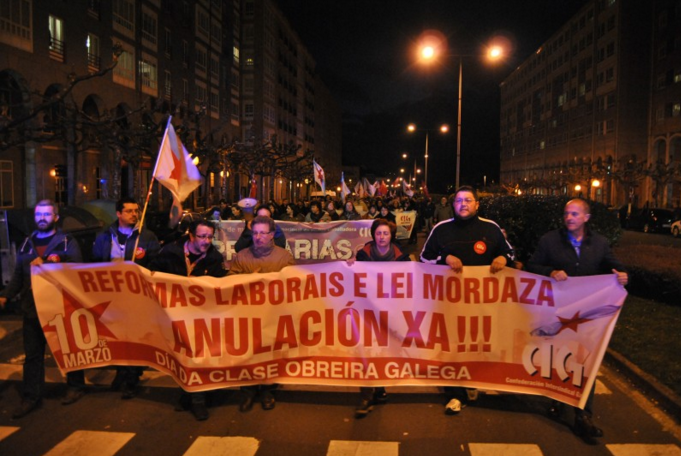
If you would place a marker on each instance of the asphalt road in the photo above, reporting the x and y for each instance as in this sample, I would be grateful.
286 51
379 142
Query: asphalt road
318 421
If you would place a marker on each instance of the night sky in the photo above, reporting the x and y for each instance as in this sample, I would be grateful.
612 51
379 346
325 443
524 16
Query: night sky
364 54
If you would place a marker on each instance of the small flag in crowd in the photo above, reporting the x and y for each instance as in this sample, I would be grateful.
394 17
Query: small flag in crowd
319 176
254 187
345 191
406 189
368 188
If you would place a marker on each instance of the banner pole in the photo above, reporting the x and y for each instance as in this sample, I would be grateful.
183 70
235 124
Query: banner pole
151 185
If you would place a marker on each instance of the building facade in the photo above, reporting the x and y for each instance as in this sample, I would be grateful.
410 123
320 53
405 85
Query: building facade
75 129
576 115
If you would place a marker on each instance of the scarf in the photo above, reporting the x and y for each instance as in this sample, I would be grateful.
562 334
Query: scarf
376 255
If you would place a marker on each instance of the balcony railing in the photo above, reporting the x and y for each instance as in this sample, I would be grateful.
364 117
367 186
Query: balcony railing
57 50
94 63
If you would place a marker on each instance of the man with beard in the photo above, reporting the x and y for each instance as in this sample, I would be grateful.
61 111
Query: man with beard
45 245
192 256
117 243
466 240
261 257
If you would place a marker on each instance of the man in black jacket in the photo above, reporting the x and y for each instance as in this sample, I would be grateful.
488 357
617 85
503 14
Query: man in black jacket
466 240
196 256
117 243
575 250
45 245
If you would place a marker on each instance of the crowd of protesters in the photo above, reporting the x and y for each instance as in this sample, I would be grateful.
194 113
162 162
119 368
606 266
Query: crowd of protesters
456 237
331 209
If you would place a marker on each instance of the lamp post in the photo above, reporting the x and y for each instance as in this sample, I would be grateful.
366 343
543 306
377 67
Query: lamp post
411 128
433 44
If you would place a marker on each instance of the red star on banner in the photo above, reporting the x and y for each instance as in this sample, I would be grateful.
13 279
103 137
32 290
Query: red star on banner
572 323
71 305
177 169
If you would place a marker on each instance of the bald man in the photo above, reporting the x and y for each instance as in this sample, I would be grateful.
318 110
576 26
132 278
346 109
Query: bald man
572 251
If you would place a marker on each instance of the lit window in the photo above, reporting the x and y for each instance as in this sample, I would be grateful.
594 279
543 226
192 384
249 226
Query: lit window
57 45
93 56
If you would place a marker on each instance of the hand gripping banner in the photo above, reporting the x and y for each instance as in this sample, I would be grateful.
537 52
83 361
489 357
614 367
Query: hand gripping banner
365 324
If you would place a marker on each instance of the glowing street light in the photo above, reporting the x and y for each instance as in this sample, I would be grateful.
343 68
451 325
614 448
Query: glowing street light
432 44
411 128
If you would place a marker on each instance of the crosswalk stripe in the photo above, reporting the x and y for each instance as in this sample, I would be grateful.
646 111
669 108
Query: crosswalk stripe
601 388
360 448
81 443
222 446
6 431
507 449
642 449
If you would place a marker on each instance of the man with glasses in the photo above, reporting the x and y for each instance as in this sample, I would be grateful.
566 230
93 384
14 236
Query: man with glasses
246 238
47 244
117 243
261 257
466 240
195 256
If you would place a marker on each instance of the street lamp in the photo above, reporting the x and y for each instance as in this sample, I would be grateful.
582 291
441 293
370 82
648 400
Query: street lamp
432 45
411 128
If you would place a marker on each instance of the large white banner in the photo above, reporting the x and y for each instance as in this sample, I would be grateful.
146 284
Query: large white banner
365 324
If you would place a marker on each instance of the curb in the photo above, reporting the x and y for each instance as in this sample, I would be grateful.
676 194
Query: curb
660 395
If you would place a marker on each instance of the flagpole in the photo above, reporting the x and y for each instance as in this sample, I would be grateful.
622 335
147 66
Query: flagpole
151 185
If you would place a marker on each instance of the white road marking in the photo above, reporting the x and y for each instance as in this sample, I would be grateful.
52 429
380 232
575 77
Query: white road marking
223 446
507 449
82 443
359 448
642 449
6 431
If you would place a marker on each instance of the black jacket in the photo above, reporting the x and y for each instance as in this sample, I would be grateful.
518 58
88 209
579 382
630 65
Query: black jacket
172 261
147 247
475 241
61 249
556 253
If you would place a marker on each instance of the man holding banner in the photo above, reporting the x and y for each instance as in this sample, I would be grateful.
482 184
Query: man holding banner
575 250
261 257
117 243
45 245
192 256
466 240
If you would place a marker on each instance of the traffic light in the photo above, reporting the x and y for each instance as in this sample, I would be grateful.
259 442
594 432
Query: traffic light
60 170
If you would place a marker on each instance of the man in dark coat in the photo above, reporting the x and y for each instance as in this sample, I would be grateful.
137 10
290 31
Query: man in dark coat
117 243
575 250
45 245
195 256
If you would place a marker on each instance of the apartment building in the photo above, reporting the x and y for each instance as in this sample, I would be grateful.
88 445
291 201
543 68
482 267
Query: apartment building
575 114
665 102
226 70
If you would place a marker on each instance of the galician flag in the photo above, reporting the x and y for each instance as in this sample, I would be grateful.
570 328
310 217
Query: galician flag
174 167
345 191
406 189
319 176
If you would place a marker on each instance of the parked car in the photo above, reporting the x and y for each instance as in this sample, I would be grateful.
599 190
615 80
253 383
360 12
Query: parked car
651 220
676 228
